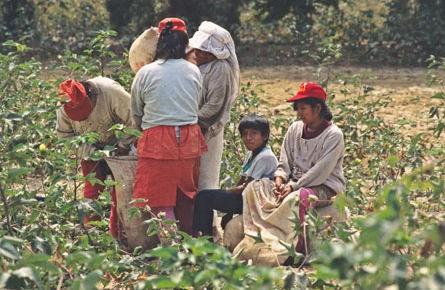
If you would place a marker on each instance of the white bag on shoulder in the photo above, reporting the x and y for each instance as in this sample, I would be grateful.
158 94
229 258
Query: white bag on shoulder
143 49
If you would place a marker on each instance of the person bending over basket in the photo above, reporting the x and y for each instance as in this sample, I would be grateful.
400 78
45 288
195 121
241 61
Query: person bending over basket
95 105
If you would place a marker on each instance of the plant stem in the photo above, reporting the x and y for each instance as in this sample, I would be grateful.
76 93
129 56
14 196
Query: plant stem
6 209
75 177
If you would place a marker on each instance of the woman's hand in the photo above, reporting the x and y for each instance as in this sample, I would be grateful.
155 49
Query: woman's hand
279 186
287 189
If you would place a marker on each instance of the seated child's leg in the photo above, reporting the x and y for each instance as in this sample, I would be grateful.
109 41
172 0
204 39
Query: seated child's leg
208 200
184 212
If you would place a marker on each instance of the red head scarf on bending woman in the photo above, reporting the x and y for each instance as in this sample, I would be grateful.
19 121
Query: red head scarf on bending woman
79 106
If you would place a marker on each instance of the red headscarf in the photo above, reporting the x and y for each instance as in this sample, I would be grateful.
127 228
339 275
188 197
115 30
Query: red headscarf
177 24
79 106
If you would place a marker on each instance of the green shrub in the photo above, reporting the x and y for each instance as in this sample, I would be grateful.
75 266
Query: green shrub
394 193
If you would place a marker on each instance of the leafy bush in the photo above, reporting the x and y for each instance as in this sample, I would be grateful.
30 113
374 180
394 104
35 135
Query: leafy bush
394 193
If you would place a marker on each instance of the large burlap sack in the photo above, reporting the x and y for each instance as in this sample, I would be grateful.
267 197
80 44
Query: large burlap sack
132 231
233 233
143 49
260 253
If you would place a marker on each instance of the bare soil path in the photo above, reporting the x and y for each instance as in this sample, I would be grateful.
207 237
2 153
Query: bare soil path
408 89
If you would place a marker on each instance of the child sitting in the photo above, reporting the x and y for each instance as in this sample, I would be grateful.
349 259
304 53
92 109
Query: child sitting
260 163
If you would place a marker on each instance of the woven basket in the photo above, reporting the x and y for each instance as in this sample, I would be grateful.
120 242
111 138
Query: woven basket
132 231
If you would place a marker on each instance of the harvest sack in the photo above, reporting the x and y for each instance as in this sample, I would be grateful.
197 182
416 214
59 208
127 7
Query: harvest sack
268 224
132 230
143 49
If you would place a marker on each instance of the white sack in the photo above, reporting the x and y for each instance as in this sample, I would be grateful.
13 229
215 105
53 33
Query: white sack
143 49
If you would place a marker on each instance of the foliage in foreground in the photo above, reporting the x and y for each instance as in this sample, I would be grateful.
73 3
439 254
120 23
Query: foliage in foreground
395 193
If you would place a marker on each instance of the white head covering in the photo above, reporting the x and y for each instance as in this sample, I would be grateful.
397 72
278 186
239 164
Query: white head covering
213 38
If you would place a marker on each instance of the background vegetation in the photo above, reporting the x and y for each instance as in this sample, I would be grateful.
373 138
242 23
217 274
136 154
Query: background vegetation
394 31
396 183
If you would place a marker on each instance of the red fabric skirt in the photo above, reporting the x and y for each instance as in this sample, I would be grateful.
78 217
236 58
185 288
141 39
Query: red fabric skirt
157 181
168 163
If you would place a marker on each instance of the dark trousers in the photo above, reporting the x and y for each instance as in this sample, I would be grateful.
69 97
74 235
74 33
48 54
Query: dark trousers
214 199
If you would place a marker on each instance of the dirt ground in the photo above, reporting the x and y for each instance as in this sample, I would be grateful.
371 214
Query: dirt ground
407 88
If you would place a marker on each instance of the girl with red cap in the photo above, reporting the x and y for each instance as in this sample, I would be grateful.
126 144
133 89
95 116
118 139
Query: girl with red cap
164 98
95 105
310 168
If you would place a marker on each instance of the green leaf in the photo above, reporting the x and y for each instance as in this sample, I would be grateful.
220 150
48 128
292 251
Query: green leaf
132 132
163 282
163 253
12 240
4 277
28 273
116 127
40 245
40 260
16 173
9 251
91 280
439 96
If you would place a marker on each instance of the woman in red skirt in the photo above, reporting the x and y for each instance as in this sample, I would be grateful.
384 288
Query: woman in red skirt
164 103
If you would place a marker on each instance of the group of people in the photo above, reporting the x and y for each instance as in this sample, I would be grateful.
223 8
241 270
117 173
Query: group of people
181 102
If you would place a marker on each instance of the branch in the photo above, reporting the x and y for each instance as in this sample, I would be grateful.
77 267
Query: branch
6 209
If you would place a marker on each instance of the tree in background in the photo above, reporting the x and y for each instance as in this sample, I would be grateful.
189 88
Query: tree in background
301 10
223 12
17 20
415 30
69 24
133 16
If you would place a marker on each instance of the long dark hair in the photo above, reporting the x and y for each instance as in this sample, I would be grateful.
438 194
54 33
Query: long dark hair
257 123
171 44
88 89
325 112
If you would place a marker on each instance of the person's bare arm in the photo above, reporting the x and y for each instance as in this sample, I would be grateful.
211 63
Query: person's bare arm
241 185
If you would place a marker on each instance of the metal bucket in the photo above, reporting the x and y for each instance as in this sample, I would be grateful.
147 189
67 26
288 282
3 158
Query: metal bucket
132 231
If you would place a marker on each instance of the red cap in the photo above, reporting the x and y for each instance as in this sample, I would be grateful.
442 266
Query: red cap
309 90
79 106
177 24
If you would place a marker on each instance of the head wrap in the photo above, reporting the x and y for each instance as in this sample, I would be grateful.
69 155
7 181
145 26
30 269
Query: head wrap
79 105
213 38
216 40
176 24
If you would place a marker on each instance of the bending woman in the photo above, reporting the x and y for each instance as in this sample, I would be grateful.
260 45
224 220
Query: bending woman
310 163
164 103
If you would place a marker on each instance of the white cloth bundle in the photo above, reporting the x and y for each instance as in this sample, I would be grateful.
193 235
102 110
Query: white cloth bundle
213 38
143 49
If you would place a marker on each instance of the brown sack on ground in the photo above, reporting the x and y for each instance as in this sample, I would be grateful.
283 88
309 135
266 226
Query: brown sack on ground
143 49
233 233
